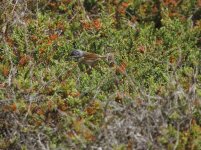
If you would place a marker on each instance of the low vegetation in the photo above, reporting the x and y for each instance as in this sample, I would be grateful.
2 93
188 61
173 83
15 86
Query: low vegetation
150 98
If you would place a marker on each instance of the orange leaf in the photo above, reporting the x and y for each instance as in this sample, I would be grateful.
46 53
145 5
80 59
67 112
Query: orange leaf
60 25
41 50
74 94
67 1
2 85
5 71
174 2
134 19
49 104
13 107
119 98
90 110
124 4
115 2
121 10
193 122
122 68
97 24
172 59
53 37
89 136
170 2
24 60
52 4
141 49
9 41
173 14
34 38
6 108
199 3
62 106
38 123
49 42
130 145
86 25
154 9
40 111
197 103
139 102
159 42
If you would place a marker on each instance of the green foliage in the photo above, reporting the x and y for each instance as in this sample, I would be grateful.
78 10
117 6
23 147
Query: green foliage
150 98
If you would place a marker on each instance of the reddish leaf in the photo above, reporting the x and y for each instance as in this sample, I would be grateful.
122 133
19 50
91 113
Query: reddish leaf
119 98
53 37
5 71
49 42
97 24
154 9
133 19
159 42
86 25
121 10
172 59
121 69
34 38
74 94
2 85
130 145
141 49
6 108
124 4
52 4
49 104
170 2
62 106
24 60
60 25
199 3
40 111
13 107
41 50
139 102
89 136
9 41
90 110
173 14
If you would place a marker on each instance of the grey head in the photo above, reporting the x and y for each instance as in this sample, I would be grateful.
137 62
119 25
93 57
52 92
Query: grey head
77 53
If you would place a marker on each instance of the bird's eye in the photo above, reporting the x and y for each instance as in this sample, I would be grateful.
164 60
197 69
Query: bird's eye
77 53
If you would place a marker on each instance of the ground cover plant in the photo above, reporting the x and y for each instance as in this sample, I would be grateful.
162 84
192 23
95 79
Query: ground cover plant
150 98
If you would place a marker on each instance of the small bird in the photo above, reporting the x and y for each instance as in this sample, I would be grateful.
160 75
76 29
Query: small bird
86 57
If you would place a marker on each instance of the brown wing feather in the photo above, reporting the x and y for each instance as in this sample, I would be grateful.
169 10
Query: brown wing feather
92 56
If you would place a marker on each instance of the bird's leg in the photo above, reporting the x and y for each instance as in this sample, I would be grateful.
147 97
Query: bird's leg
110 60
89 69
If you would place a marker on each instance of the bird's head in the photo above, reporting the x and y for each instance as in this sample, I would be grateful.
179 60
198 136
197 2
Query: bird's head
77 53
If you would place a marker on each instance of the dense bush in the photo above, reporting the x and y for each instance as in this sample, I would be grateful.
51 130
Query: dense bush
150 99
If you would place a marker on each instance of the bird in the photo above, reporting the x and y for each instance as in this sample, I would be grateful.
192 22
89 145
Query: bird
87 58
